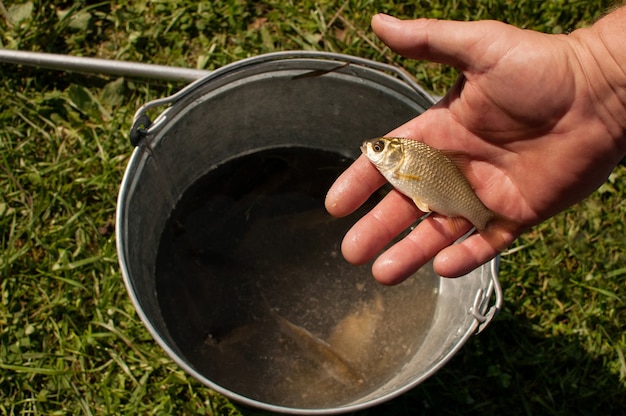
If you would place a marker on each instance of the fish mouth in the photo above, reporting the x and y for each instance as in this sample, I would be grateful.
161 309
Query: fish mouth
364 148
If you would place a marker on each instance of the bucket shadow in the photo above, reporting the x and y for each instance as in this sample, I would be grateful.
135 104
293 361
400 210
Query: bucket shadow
511 369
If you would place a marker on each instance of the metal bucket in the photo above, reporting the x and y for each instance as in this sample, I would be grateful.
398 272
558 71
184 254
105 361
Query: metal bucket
255 309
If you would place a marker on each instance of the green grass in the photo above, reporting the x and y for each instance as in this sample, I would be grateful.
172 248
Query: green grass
70 341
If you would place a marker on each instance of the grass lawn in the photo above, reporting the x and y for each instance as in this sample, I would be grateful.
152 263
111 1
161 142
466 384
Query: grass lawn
70 341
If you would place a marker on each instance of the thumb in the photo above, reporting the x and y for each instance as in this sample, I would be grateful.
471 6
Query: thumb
465 45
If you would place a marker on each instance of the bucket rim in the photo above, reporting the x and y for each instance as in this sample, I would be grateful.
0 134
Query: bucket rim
142 125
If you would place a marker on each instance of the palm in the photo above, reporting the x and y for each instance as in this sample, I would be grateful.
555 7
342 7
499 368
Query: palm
512 119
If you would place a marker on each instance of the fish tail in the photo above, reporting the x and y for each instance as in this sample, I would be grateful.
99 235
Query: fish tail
500 232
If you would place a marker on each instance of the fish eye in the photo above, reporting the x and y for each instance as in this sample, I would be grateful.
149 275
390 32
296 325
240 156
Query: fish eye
379 146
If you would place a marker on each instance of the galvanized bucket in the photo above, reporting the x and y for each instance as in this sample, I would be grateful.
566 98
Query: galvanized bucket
255 311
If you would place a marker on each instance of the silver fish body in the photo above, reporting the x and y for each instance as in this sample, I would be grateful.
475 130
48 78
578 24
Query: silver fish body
428 176
321 353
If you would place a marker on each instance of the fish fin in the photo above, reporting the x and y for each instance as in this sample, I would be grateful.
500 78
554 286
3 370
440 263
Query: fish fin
500 232
462 162
406 176
421 205
458 224
460 159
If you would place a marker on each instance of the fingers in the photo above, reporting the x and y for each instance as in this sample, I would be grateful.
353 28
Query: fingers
460 259
418 248
394 214
432 238
353 188
461 44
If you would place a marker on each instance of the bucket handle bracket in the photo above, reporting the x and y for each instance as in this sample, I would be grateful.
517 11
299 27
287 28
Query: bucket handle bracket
482 297
141 124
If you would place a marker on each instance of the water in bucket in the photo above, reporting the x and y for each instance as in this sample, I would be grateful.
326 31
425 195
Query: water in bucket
255 292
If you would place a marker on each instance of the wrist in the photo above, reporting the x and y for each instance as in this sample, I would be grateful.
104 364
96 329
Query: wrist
602 58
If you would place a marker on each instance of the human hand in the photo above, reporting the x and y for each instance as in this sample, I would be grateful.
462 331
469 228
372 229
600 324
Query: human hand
541 117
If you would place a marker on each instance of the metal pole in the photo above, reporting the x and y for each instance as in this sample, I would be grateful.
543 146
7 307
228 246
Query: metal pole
100 66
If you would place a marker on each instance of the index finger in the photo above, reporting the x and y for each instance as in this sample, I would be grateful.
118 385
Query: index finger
353 187
357 183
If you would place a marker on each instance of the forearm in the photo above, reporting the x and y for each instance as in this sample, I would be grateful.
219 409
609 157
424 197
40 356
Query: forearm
601 54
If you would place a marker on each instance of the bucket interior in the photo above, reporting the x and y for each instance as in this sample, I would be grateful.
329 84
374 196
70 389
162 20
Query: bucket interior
235 267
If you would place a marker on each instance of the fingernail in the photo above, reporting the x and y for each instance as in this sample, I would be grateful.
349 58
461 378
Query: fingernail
386 17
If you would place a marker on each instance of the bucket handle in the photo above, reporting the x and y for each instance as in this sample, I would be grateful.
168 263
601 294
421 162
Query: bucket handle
142 124
483 297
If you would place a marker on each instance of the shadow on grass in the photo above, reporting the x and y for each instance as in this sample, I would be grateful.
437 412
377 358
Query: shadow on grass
510 369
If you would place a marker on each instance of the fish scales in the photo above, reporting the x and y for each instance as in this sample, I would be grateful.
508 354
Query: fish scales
427 176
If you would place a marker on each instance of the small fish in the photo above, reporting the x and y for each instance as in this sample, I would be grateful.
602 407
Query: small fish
428 176
321 353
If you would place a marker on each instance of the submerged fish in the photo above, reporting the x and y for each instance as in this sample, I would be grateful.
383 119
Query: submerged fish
428 176
321 353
